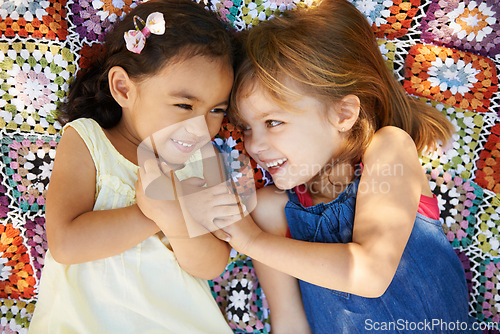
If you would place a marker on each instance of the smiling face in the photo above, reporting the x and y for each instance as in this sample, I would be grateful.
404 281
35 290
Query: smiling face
181 107
294 146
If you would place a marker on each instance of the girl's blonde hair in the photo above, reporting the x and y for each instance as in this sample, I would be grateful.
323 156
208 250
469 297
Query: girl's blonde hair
330 51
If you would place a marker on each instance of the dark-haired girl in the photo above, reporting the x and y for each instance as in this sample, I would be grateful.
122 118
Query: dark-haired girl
109 268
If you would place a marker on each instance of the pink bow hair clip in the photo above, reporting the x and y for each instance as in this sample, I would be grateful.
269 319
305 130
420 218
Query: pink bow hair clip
136 39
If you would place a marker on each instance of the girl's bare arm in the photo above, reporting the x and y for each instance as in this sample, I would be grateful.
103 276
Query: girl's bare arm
383 223
282 290
75 233
203 255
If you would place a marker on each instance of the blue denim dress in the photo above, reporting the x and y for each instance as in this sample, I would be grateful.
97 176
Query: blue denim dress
428 293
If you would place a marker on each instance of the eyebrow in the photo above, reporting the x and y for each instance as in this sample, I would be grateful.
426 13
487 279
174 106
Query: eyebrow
265 114
190 97
184 95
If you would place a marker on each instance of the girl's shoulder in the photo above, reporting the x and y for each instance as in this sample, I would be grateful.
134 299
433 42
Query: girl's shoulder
391 135
84 126
389 140
269 213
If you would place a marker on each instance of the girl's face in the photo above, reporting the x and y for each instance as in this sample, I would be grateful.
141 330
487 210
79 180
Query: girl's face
181 107
293 146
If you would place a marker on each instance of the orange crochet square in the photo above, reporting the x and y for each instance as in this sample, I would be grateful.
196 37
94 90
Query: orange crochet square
457 78
42 19
19 282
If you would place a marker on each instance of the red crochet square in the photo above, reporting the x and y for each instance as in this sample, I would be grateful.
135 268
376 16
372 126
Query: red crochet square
488 164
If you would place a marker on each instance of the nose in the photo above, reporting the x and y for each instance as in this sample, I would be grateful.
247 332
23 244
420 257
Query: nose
255 142
197 126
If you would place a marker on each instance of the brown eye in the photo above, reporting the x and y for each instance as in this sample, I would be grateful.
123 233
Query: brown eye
273 123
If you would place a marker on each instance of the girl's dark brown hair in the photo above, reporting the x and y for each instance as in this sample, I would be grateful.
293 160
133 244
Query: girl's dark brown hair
330 51
191 30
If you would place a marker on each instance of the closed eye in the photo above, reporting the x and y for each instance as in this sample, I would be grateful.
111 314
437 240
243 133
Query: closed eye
218 111
272 123
184 106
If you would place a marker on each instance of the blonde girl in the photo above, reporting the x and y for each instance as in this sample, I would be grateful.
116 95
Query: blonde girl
348 240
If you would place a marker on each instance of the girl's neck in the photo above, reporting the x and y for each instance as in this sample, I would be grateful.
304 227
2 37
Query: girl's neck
329 183
123 141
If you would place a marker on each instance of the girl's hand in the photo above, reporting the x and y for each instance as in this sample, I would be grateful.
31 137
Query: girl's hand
242 234
154 193
201 207
209 209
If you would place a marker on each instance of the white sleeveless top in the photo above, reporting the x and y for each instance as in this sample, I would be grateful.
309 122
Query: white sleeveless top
143 290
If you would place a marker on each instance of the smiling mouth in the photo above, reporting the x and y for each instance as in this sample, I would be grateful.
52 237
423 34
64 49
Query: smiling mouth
182 143
276 163
274 166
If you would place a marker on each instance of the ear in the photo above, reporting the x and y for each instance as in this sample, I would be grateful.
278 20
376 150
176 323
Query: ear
344 114
120 86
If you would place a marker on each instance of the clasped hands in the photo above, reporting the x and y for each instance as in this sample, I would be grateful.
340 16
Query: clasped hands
195 206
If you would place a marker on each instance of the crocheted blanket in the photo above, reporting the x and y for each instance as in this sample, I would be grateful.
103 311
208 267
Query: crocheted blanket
447 52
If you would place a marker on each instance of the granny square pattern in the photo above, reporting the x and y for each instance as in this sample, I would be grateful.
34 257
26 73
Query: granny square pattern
445 53
92 19
488 164
459 155
28 161
465 25
37 19
457 78
389 19
33 83
17 273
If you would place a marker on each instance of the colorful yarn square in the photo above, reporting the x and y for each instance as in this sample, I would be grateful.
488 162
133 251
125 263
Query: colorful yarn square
489 217
228 10
16 274
466 25
457 78
93 19
255 11
488 164
33 83
87 54
4 202
389 19
458 201
28 162
240 298
458 155
15 316
486 307
36 238
466 263
230 140
37 19
388 50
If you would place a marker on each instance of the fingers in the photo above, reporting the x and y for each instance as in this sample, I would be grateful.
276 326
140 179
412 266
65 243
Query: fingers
195 182
228 212
155 184
221 235
223 222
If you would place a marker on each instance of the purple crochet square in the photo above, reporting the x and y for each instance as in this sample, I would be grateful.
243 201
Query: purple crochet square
93 19
467 25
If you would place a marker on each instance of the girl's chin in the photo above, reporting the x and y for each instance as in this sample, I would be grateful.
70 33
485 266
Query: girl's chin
282 184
